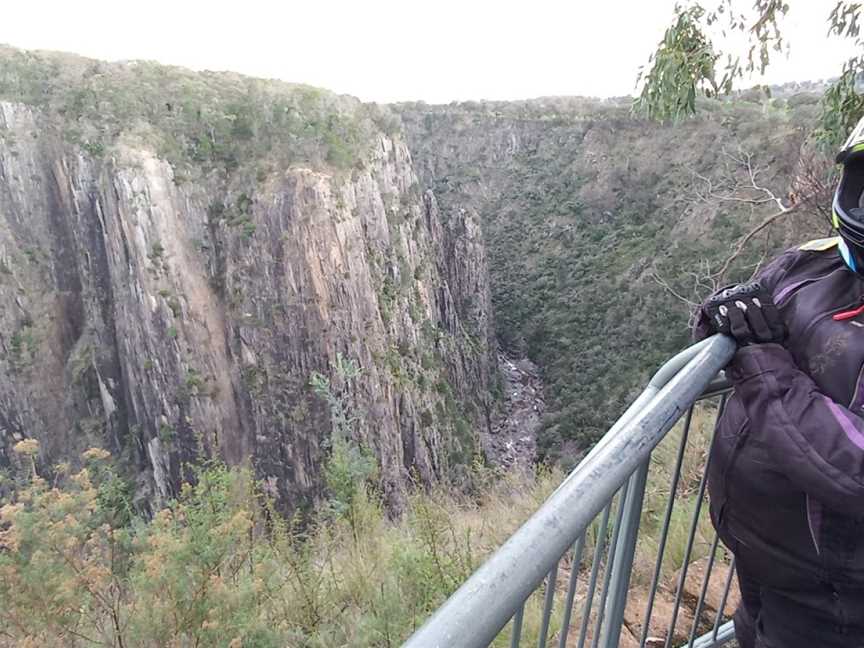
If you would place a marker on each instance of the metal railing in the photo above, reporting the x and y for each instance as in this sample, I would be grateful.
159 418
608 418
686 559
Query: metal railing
567 554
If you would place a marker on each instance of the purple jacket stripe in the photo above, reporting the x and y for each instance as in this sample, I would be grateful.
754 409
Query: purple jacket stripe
788 289
852 433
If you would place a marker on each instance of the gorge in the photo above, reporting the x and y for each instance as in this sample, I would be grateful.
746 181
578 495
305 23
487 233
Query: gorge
181 251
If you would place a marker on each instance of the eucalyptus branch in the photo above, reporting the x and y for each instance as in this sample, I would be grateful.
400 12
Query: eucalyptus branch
686 62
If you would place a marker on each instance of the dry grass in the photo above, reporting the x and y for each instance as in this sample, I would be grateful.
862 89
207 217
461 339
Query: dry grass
658 492
354 578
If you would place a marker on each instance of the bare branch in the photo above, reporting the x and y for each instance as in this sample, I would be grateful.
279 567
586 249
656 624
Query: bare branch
743 241
758 266
814 183
743 183
703 285
748 191
668 288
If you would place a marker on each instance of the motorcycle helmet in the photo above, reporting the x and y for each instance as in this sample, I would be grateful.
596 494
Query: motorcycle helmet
848 216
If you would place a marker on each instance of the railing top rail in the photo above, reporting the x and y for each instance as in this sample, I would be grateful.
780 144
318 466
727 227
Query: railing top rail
481 607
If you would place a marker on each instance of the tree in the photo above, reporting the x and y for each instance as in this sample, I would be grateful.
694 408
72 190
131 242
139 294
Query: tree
686 62
738 181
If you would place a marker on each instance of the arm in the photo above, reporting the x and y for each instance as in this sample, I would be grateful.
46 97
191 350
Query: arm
817 444
769 277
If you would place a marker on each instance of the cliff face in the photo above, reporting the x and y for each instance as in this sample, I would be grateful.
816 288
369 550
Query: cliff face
180 252
171 320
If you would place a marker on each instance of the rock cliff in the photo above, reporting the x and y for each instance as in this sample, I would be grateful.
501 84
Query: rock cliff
172 306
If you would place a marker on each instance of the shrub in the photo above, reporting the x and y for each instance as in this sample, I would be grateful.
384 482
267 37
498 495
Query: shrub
218 566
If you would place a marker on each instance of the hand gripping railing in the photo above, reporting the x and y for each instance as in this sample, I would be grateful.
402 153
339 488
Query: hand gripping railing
558 533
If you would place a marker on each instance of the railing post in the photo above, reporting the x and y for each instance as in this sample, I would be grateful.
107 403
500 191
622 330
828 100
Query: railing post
482 606
622 567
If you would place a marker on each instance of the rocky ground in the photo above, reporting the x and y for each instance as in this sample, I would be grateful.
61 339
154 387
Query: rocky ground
512 442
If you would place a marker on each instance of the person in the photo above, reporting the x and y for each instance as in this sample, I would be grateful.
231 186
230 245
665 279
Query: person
786 475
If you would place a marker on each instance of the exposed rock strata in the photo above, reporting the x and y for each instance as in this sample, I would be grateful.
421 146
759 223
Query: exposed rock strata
136 316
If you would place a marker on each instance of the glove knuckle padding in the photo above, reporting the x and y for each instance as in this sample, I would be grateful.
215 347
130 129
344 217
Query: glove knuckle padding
747 312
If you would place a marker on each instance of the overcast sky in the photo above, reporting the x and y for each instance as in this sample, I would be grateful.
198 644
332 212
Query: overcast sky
390 50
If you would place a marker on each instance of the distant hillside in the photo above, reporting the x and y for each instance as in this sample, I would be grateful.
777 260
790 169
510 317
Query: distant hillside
582 206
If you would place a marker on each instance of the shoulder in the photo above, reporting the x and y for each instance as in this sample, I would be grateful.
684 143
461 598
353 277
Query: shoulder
820 245
822 251
806 261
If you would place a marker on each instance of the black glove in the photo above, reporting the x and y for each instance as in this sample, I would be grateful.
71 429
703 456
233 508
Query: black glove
747 313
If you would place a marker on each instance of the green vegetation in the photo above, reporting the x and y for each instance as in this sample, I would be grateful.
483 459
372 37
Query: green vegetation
687 64
194 385
587 208
167 432
199 122
657 495
219 567
176 308
684 61
23 347
351 469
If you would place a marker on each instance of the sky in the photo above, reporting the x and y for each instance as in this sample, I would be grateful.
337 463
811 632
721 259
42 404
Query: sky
397 50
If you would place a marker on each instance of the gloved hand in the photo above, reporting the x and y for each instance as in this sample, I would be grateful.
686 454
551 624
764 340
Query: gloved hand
747 313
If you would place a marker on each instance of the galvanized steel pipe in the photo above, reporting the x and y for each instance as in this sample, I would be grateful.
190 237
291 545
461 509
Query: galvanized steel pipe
482 606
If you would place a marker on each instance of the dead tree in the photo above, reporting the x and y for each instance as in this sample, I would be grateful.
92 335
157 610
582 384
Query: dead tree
741 183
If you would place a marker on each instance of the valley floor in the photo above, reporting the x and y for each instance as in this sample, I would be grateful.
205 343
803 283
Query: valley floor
512 440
